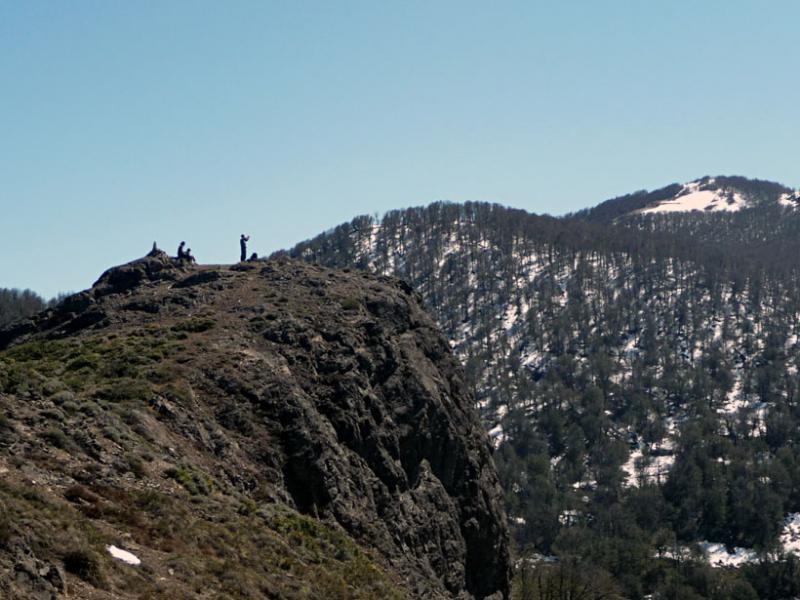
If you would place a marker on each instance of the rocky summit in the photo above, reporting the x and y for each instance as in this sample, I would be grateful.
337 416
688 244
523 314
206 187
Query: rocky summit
264 430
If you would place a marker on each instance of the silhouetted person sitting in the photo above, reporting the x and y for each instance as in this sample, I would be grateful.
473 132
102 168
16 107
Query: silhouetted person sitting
181 251
187 256
243 245
253 257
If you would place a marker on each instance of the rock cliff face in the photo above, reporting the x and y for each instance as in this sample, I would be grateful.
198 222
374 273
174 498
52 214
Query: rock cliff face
263 430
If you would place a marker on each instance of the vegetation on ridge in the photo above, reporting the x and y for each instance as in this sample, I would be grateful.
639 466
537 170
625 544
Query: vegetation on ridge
218 542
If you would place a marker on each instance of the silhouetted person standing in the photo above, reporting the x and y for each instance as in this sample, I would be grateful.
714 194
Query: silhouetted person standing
243 245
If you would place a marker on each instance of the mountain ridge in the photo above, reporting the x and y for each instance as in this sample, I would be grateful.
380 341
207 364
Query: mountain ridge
705 194
262 430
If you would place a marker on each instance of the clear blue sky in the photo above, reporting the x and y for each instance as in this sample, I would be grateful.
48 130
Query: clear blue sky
122 123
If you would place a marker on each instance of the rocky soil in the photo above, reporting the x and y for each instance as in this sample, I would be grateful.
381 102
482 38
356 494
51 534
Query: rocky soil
266 430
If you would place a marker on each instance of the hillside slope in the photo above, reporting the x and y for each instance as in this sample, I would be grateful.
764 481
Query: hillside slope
279 430
636 388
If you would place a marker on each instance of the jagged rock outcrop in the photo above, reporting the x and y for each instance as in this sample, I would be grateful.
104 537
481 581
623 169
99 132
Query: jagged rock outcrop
82 310
243 393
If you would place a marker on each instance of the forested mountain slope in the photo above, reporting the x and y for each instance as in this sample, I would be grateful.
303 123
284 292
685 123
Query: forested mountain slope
640 384
18 304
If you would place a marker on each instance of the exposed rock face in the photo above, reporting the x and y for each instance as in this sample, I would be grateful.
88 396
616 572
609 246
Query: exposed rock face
326 391
82 310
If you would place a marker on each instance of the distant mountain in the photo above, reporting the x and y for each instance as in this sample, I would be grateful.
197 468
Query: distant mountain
636 370
752 225
705 195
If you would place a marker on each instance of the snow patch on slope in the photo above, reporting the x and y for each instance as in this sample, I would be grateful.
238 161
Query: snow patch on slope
790 535
691 198
790 199
651 469
718 556
123 555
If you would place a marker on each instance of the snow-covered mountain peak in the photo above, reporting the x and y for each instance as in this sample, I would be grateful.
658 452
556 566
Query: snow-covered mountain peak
710 194
702 195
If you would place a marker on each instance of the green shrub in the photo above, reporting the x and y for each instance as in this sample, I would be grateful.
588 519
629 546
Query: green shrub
195 325
62 397
122 366
80 493
83 361
351 304
56 438
6 529
130 417
90 409
177 393
135 466
195 482
53 414
52 386
160 375
70 407
34 351
124 389
85 564
17 379
112 433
